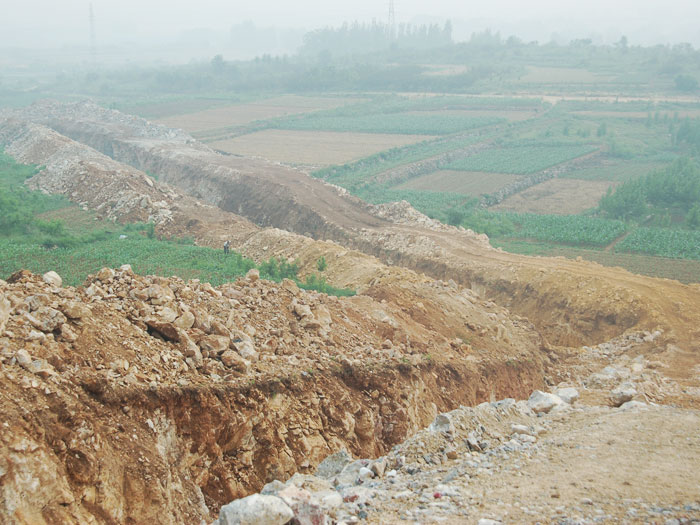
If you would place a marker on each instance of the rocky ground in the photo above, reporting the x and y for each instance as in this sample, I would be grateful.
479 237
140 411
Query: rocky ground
144 399
555 458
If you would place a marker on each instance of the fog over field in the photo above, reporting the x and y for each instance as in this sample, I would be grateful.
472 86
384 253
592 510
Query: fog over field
180 31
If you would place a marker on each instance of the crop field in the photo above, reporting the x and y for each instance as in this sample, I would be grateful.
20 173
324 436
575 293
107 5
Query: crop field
511 115
169 108
683 270
663 242
562 75
444 70
663 114
365 170
241 114
465 182
403 123
521 160
574 230
613 170
557 196
315 148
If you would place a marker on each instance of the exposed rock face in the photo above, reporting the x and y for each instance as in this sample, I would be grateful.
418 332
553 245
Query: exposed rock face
121 398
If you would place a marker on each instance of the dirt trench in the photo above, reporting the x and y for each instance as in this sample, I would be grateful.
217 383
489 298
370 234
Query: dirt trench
272 195
121 425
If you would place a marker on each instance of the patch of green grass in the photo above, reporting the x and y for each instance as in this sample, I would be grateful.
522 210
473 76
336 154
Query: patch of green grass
30 242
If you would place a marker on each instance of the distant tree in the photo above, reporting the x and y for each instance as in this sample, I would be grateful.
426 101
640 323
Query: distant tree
686 83
622 44
217 64
692 219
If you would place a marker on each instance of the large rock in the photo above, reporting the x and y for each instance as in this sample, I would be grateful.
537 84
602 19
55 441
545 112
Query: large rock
185 321
306 508
214 344
5 309
159 294
167 331
105 275
623 393
568 395
255 510
53 279
246 349
190 349
23 358
333 464
442 423
542 402
75 310
46 319
232 360
303 311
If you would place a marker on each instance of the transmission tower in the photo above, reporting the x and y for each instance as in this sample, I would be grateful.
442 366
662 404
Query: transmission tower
93 38
392 21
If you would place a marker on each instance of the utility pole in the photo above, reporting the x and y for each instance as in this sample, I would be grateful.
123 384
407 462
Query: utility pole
392 21
93 38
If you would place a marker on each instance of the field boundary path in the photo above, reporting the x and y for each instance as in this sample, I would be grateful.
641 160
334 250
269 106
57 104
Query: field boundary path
527 181
417 168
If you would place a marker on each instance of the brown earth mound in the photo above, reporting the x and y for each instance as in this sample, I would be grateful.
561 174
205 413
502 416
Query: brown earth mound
141 399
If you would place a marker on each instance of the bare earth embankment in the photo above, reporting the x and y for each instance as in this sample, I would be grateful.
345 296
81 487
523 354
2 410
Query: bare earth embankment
162 400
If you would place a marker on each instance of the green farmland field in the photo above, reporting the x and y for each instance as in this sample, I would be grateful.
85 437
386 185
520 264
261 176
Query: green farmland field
521 160
402 123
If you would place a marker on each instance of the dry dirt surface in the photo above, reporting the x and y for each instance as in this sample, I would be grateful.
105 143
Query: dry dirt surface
240 114
315 148
557 196
287 377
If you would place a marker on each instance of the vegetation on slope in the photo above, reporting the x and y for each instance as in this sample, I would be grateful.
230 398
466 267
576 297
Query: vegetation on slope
29 242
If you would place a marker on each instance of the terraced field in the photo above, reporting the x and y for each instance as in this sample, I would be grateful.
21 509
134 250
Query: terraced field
464 182
312 148
613 170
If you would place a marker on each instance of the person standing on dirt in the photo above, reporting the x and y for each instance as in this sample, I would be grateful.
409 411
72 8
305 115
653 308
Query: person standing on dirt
227 247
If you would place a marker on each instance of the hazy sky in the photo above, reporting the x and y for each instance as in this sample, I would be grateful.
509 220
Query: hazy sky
42 23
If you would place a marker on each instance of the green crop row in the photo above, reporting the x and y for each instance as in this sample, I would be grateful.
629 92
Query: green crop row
662 242
574 230
401 123
521 160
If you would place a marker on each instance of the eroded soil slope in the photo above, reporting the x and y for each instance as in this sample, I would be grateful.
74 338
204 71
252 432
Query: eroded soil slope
151 399
160 400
